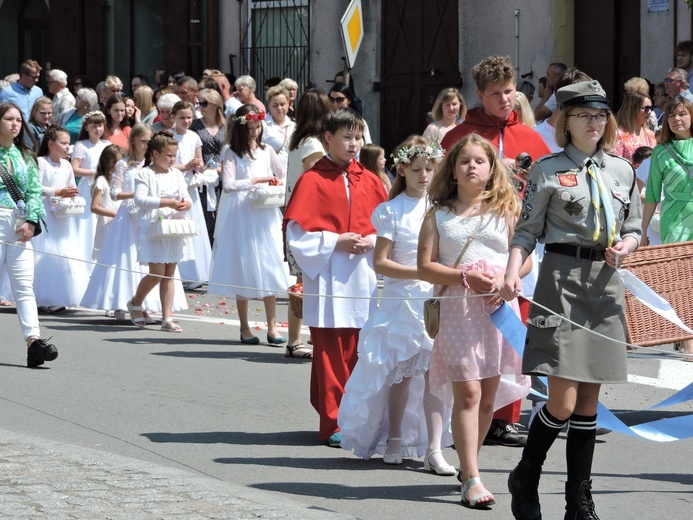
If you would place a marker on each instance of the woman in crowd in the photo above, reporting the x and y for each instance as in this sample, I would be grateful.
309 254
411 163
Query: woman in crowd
86 101
584 204
117 130
279 127
144 101
40 118
245 91
633 128
670 172
449 110
132 112
524 110
17 227
292 88
211 128
341 96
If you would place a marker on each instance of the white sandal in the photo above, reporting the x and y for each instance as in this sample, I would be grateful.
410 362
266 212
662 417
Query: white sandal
140 322
168 325
473 503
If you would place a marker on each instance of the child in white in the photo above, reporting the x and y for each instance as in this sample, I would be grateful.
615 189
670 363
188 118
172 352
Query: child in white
387 396
118 273
59 281
85 157
189 161
248 258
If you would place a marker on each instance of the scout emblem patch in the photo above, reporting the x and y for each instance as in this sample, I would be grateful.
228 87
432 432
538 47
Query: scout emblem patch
573 207
567 180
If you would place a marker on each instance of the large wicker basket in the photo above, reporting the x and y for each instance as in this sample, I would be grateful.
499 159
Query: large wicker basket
296 302
668 269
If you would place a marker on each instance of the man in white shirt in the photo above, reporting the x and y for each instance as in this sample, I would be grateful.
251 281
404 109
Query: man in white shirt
547 105
231 104
63 100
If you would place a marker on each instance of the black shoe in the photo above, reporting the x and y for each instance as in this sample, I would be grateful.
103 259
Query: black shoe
523 484
502 433
39 351
578 497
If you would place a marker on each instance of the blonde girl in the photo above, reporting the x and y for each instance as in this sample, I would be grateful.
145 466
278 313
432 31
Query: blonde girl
59 281
372 157
101 203
159 189
85 158
473 201
394 349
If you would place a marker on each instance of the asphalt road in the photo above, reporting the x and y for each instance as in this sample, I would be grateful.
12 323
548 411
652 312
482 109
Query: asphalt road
204 403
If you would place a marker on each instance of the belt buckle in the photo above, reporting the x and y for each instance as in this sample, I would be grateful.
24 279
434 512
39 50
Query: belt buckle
600 256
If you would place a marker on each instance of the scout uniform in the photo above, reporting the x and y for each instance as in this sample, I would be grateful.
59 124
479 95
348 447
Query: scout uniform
560 210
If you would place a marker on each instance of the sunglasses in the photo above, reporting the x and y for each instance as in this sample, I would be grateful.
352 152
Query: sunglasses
647 109
337 99
204 104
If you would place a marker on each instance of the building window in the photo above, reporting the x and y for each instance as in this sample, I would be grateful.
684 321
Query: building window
277 41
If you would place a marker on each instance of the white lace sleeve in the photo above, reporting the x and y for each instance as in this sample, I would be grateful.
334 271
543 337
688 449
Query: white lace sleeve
117 179
276 166
228 177
46 191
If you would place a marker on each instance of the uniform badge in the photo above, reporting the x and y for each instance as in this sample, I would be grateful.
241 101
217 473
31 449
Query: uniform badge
525 215
567 180
616 183
565 196
573 207
528 207
622 214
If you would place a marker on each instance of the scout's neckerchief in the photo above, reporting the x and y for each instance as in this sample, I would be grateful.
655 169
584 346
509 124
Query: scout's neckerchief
600 197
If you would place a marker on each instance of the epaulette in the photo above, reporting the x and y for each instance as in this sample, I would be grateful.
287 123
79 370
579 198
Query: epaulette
611 154
551 155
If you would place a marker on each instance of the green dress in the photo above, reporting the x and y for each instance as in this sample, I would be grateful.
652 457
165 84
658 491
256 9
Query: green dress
666 174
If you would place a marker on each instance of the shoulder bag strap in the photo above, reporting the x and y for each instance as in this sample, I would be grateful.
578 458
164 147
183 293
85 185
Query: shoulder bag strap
464 250
677 158
11 186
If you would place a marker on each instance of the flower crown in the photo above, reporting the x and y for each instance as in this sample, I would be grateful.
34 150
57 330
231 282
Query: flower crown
92 114
432 152
242 120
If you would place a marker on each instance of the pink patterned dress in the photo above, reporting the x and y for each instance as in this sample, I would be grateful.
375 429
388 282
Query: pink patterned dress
468 346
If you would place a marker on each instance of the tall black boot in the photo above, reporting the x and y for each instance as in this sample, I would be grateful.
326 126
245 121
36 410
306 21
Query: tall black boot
578 498
523 484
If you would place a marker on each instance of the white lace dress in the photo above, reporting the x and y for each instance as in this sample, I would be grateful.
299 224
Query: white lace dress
118 273
59 281
196 269
88 154
248 261
150 188
468 346
393 345
102 222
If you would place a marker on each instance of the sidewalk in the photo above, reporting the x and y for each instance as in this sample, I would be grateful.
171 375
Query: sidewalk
45 479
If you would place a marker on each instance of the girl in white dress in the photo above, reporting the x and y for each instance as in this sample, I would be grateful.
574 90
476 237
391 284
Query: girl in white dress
101 203
189 161
85 157
248 260
118 273
58 280
159 188
387 394
469 353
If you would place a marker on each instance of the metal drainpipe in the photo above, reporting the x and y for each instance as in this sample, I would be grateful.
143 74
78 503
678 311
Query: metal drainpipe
107 36
517 42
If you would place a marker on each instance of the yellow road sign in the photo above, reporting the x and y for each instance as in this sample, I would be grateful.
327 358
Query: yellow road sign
352 30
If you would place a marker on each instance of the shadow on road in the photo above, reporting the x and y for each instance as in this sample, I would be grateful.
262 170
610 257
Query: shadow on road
295 438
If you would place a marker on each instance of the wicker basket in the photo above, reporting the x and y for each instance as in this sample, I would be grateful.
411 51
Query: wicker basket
668 270
296 302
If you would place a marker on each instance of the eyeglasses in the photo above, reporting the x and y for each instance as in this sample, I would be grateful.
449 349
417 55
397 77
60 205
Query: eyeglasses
46 113
671 80
337 100
204 104
33 76
586 118
647 109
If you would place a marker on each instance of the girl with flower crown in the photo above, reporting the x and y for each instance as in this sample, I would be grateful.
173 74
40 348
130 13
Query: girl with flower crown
474 210
85 158
247 260
381 408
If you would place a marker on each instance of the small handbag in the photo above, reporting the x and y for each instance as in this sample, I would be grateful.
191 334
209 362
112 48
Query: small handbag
432 305
173 228
16 195
64 207
268 197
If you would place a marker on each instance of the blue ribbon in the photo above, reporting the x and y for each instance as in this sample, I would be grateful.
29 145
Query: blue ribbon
663 430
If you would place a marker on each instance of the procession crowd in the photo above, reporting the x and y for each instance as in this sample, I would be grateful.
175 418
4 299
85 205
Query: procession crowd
119 203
